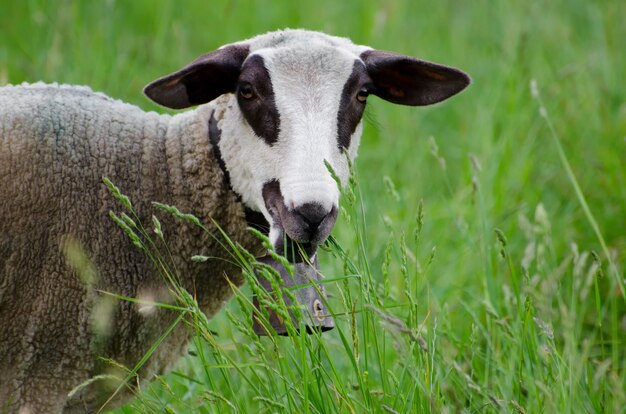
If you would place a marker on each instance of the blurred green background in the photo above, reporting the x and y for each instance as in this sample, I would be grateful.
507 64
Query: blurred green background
483 160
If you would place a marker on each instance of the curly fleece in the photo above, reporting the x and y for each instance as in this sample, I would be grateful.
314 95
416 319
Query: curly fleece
57 330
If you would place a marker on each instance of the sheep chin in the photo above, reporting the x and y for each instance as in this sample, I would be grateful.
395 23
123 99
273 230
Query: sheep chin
311 299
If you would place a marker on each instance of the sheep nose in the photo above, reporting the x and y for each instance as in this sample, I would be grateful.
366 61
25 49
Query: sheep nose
313 214
310 223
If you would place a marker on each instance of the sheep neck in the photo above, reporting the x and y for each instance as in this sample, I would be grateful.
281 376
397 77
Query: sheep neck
254 218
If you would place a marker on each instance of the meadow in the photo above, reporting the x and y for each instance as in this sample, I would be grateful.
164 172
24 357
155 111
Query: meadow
478 262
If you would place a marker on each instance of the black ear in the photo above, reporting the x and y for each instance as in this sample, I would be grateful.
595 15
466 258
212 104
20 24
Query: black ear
408 81
201 81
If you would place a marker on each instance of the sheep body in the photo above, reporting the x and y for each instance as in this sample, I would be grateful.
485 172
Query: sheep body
56 144
281 107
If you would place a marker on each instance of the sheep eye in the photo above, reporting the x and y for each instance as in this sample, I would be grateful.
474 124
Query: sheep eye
362 95
246 91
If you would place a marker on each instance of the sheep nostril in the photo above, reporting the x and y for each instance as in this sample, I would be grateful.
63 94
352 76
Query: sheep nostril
313 214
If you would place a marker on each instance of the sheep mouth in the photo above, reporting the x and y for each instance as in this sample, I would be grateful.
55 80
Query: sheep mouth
300 230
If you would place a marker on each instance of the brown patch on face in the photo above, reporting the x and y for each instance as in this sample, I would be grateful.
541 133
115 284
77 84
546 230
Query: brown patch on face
255 96
350 108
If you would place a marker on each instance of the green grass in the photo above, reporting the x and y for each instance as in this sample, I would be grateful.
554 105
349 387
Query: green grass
480 252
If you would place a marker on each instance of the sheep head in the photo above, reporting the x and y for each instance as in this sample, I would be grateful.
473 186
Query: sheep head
293 103
296 103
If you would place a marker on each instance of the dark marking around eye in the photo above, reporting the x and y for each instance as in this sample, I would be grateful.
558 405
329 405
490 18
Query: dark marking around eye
255 96
246 91
351 105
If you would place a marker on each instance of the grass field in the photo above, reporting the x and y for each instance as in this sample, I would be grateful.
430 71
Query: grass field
481 251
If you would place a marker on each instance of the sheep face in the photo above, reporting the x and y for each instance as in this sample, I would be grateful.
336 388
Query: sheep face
282 135
292 113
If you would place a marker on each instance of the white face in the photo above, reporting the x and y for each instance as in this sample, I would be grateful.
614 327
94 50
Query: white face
307 85
293 101
308 103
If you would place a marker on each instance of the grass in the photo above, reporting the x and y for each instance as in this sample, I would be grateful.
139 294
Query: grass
479 255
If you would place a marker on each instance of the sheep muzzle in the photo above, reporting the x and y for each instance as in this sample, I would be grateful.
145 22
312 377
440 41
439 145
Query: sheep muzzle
301 229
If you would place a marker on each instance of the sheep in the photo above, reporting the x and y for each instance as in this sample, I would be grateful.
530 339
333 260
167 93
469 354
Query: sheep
274 111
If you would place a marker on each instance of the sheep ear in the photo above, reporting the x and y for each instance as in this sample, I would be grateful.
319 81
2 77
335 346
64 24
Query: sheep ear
201 81
408 81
